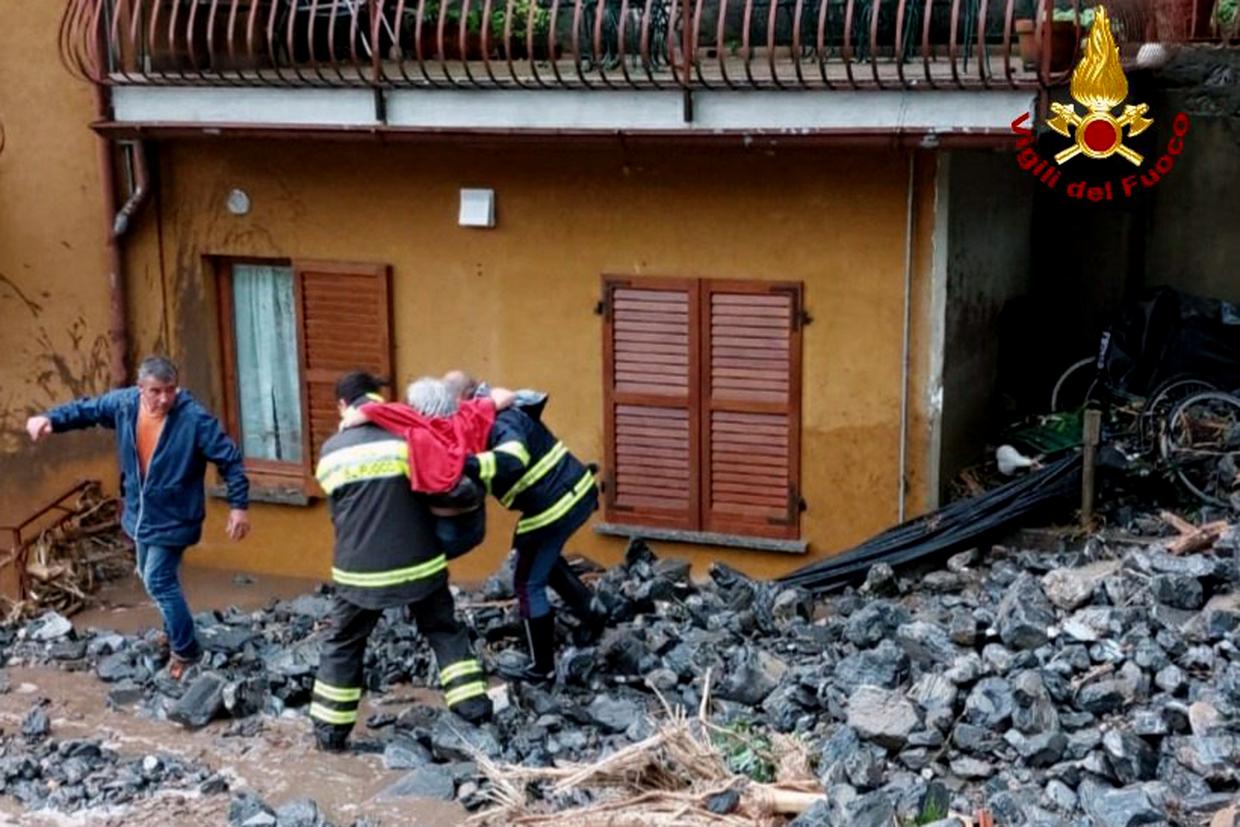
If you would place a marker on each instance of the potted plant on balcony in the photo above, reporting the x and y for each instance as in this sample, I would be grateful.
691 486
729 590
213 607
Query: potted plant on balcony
1060 38
473 24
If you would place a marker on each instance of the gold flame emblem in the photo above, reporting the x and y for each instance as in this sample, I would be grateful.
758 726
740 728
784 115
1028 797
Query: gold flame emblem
1099 84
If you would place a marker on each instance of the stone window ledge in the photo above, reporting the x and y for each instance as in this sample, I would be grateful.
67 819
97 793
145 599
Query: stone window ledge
705 538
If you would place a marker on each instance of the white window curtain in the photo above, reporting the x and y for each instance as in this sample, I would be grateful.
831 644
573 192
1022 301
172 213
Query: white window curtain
267 382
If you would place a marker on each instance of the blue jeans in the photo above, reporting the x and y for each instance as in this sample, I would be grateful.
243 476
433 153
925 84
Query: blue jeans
539 550
159 568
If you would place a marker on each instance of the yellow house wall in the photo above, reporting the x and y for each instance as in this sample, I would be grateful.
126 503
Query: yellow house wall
53 296
515 304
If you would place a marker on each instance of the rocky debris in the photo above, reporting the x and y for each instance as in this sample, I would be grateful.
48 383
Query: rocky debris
201 702
72 775
1096 686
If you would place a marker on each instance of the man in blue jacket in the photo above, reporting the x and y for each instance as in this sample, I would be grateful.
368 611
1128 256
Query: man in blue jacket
164 439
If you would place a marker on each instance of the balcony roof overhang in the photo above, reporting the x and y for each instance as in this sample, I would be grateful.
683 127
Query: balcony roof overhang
926 118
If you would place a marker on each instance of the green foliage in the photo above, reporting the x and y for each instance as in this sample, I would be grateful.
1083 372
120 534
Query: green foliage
521 16
746 751
1225 13
1069 15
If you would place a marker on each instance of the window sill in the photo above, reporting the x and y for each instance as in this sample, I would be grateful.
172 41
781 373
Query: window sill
705 538
279 495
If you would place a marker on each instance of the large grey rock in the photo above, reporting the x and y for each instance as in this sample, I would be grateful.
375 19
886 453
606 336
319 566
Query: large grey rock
753 675
1093 623
1213 757
1128 807
1132 759
885 665
201 703
1177 590
1040 750
1070 589
874 622
614 714
454 739
1034 710
50 626
926 643
1025 614
432 781
870 810
990 704
300 812
1105 697
882 716
405 753
932 691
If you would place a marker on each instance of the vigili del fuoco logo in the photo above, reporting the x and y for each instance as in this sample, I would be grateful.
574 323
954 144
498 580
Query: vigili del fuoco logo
1100 86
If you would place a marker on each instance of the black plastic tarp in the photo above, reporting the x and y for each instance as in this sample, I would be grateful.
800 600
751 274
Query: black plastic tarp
1169 334
961 525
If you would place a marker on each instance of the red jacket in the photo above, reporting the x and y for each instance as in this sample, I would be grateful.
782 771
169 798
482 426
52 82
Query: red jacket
437 445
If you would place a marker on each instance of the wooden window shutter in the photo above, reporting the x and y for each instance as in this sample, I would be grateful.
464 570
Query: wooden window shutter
651 398
751 400
345 325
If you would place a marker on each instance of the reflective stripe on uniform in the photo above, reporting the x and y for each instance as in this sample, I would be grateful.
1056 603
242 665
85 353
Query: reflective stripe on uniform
516 449
367 461
463 693
392 577
486 469
460 669
561 507
332 716
540 469
340 694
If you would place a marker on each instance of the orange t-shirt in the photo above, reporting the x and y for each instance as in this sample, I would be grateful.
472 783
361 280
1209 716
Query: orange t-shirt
149 428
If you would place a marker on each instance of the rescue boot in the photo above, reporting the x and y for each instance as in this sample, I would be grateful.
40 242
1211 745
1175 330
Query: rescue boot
331 738
591 618
540 635
475 710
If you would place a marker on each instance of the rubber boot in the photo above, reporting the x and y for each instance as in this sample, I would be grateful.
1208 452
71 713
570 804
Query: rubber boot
540 635
331 738
581 600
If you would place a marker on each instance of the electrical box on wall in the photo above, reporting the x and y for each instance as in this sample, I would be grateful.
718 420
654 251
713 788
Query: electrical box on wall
477 208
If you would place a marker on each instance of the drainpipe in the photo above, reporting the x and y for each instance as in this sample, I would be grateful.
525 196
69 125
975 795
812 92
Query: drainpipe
905 366
116 223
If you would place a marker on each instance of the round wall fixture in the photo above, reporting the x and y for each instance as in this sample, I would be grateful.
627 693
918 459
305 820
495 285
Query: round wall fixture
238 202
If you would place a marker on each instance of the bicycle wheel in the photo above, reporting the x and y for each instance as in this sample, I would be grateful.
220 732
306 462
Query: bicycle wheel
1201 445
1075 387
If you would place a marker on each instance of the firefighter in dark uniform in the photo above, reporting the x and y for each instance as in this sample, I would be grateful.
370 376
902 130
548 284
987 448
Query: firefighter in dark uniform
385 556
531 472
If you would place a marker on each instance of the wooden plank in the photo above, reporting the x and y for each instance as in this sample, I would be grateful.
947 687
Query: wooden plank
655 296
676 349
651 411
634 365
745 346
750 300
652 390
665 339
624 327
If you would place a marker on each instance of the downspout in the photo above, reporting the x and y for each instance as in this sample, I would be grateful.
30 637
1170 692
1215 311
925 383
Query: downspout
116 223
905 367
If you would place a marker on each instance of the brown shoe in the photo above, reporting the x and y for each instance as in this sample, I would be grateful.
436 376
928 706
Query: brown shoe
177 666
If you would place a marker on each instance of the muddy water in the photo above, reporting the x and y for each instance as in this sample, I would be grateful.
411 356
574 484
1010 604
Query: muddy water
280 763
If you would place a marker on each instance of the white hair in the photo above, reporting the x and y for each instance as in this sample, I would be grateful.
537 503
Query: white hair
430 397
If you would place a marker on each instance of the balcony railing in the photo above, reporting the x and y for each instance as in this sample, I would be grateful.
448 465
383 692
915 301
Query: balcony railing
599 44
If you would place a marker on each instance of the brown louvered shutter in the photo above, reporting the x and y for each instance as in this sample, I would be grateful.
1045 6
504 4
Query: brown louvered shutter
345 325
751 423
651 395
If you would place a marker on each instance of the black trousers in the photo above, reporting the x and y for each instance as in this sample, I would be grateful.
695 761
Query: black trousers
338 684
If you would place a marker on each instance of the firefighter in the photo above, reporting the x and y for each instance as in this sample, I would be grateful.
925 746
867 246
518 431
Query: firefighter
385 556
531 472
